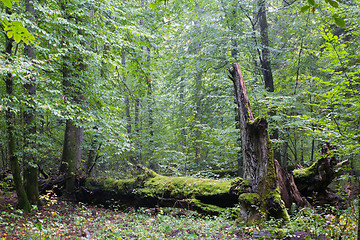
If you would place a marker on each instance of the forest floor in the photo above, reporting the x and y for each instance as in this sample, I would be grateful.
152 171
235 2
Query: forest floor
68 220
58 219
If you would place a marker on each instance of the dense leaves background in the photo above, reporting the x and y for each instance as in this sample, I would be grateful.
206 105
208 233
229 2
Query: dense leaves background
149 81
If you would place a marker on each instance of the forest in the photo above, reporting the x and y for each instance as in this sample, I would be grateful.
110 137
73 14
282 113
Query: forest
180 119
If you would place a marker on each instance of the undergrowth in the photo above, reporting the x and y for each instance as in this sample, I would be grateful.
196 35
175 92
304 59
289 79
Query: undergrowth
67 220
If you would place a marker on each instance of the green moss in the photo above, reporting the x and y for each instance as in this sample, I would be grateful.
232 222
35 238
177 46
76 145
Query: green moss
256 121
183 187
306 172
282 211
236 181
154 186
271 202
249 199
109 184
206 208
239 185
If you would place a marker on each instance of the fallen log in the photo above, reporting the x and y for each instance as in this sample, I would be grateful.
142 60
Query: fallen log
150 189
313 181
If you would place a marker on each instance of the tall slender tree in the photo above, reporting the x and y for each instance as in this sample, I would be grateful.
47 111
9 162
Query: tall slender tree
23 201
31 168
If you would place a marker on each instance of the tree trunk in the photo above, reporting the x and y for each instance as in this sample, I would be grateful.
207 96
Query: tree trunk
288 189
198 117
137 131
31 169
151 104
265 62
257 156
23 201
71 157
74 68
127 102
73 136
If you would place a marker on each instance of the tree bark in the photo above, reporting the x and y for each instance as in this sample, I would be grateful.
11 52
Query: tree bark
137 131
31 170
23 201
73 135
257 155
74 68
71 157
265 61
127 102
288 189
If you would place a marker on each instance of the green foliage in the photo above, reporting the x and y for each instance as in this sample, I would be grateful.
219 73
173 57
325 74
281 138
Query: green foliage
16 31
335 4
8 3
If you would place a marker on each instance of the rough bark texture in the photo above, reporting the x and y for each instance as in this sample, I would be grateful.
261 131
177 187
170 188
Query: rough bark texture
257 155
288 189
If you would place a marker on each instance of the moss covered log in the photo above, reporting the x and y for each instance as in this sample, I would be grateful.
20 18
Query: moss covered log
313 181
151 189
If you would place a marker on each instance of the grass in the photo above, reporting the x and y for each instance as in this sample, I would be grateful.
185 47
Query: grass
68 220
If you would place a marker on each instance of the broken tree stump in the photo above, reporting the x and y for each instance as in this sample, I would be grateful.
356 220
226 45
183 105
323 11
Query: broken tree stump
257 158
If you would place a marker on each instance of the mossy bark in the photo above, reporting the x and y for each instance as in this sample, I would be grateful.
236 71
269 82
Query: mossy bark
257 153
151 189
314 180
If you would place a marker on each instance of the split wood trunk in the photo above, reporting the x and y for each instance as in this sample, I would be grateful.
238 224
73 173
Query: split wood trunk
257 157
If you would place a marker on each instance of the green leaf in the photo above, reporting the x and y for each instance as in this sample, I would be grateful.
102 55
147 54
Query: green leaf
152 5
17 38
7 3
304 9
333 3
311 2
10 34
5 23
340 22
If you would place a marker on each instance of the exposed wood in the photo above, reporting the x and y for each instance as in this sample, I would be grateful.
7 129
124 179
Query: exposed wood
257 152
288 189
